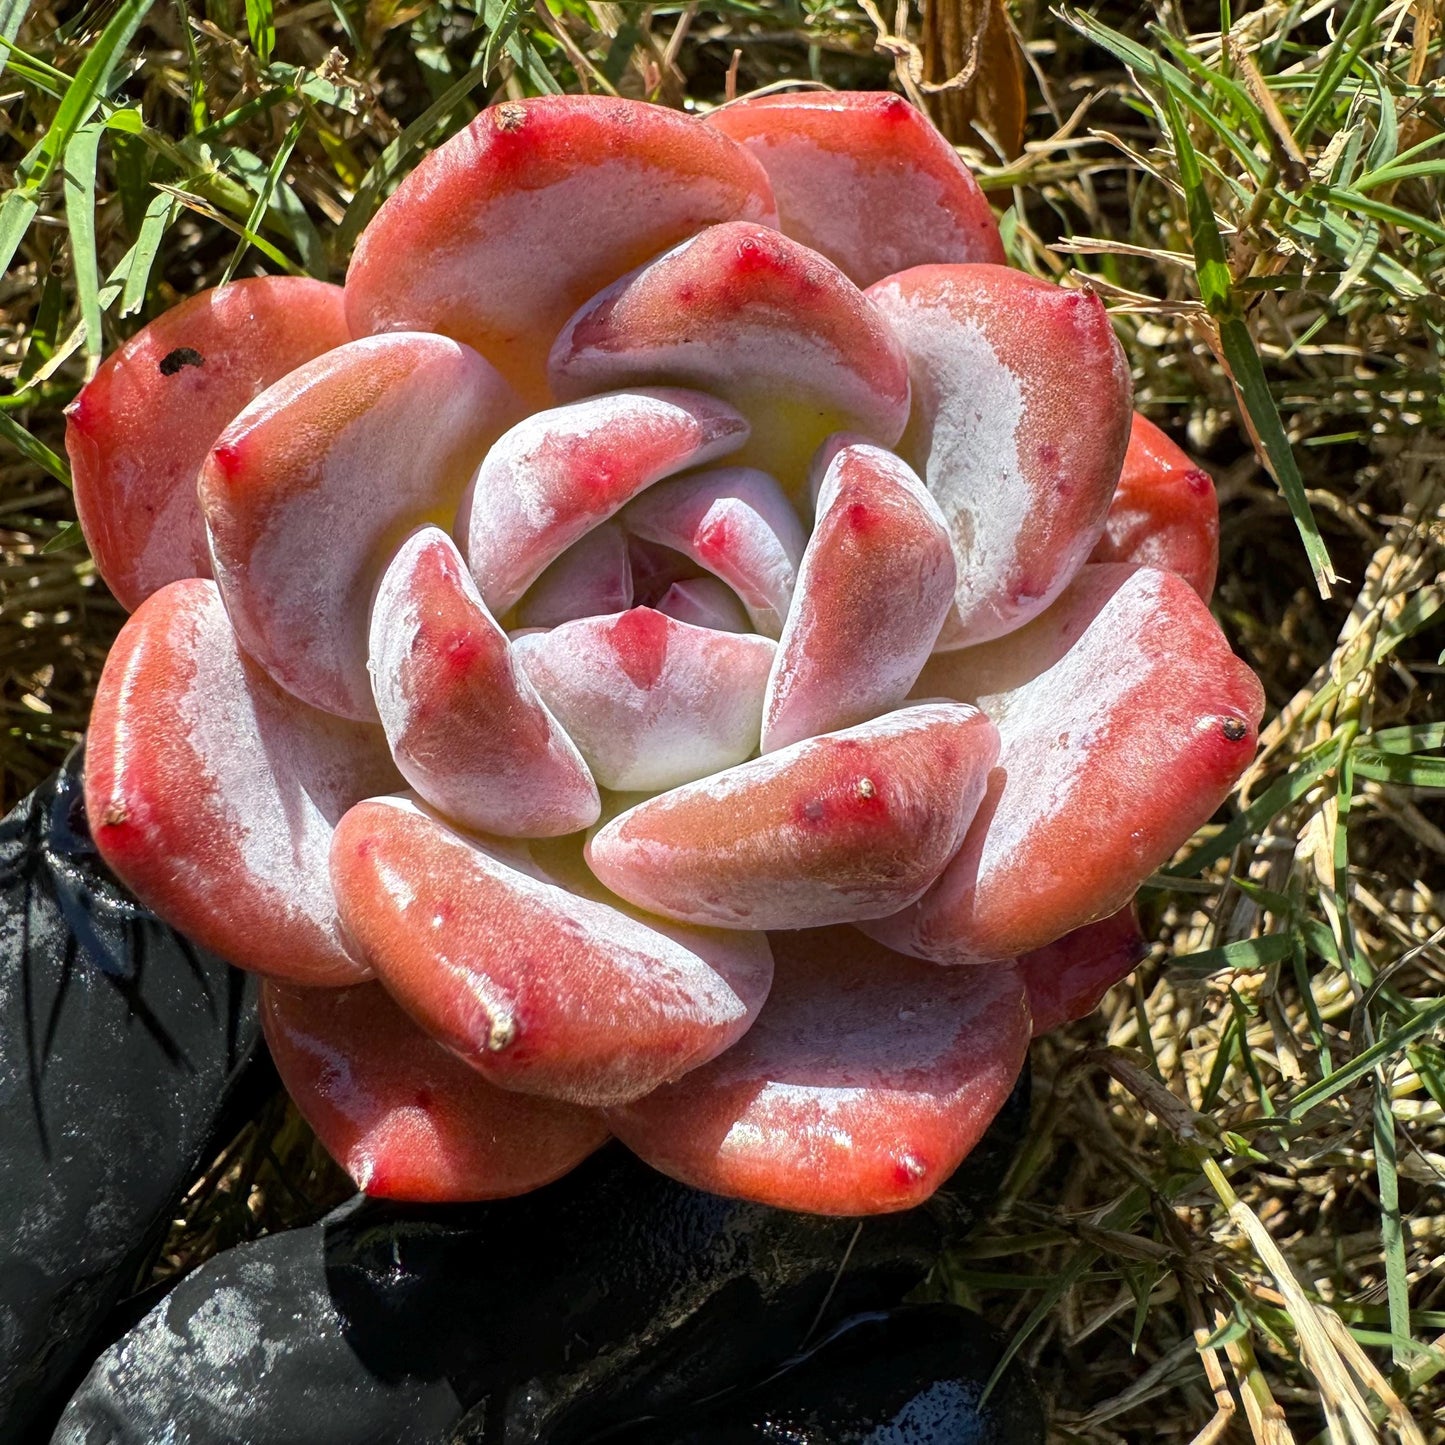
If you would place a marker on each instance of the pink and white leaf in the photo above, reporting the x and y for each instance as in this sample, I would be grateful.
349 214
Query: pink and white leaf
537 988
466 728
875 584
651 702
851 825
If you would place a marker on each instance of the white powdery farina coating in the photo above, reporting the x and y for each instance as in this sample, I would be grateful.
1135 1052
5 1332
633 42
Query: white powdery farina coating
736 522
807 1116
813 179
537 492
836 666
304 618
282 833
521 226
688 703
916 717
739 785
392 632
1049 726
677 982
972 468
749 354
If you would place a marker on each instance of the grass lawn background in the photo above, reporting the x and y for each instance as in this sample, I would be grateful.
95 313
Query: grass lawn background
1229 1222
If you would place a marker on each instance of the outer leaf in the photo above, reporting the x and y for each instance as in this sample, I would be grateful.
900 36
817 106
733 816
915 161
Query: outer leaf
139 431
910 200
17 211
213 794
1124 718
404 1116
541 202
863 1083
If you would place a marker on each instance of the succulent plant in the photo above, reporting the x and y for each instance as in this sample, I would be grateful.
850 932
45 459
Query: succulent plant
686 644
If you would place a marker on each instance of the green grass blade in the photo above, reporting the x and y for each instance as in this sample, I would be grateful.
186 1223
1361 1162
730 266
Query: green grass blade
1392 1236
1216 289
157 221
17 211
264 191
261 27
1426 1021
79 177
44 331
193 201
1350 40
1405 772
69 535
1175 83
85 92
1420 738
1381 211
1387 126
32 449
1246 953
12 17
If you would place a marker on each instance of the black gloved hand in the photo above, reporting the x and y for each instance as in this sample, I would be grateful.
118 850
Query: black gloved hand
914 1375
611 1294
120 1046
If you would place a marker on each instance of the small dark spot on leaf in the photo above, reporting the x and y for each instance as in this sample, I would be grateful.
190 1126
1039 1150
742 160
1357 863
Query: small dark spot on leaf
173 361
1234 729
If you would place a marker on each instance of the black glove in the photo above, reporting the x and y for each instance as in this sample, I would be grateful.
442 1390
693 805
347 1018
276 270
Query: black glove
121 1046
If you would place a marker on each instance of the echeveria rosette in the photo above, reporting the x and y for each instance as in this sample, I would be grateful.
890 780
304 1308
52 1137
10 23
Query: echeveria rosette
682 645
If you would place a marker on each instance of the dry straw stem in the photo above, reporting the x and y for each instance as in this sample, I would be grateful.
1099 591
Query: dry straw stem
1229 1222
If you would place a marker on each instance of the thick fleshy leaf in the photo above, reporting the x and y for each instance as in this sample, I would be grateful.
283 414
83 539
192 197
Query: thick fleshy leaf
864 179
1020 421
835 829
864 1082
875 584
651 702
403 1116
1124 720
590 579
466 728
309 490
704 602
213 794
1164 513
1066 979
555 476
739 525
744 313
140 429
500 234
539 989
